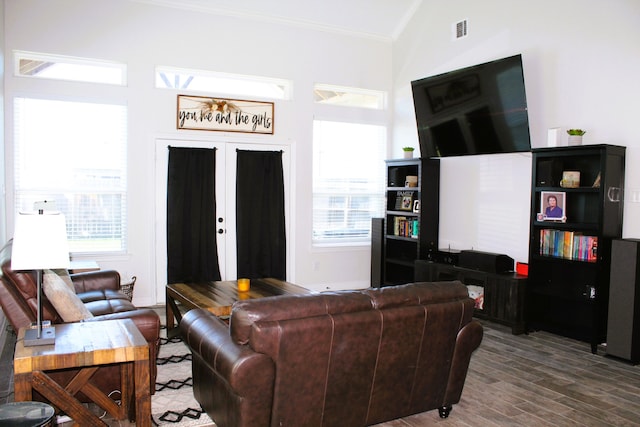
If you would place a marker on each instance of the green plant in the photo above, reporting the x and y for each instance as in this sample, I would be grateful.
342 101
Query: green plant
408 148
576 132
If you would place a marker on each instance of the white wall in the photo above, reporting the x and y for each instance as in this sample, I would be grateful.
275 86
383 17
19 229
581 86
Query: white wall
581 62
3 231
144 36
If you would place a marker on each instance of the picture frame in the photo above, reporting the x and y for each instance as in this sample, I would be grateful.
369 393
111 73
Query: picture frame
224 115
404 201
553 206
416 206
407 203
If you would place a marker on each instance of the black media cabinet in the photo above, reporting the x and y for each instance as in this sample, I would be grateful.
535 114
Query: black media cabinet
504 293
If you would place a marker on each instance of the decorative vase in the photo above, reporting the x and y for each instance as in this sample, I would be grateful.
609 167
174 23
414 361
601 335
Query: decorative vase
408 154
575 139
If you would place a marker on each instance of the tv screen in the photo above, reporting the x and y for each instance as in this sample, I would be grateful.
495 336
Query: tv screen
476 110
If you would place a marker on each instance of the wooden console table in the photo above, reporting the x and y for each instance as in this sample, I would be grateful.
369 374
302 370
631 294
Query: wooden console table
87 345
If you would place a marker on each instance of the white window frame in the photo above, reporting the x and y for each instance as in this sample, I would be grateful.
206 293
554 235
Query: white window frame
65 175
334 182
73 68
350 96
214 82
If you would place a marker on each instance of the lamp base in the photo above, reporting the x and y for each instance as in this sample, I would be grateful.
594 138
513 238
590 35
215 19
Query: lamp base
47 337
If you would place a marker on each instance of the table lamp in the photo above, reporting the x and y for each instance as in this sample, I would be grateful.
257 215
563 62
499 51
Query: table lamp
40 242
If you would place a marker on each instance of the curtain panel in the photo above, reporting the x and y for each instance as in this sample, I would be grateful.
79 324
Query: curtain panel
260 215
192 251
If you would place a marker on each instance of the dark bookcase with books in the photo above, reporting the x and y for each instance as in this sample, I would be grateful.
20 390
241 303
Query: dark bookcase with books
576 211
411 217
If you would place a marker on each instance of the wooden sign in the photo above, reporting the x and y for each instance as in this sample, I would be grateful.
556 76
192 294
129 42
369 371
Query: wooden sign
224 115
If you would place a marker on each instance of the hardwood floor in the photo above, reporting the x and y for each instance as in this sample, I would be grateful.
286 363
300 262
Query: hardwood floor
540 379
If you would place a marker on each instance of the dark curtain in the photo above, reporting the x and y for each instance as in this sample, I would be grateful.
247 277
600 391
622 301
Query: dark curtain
261 245
192 251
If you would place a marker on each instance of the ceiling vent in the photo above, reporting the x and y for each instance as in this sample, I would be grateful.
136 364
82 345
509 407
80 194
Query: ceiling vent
460 29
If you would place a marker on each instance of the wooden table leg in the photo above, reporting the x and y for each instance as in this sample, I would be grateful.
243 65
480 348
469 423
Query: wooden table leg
127 383
63 400
142 392
22 387
169 303
172 311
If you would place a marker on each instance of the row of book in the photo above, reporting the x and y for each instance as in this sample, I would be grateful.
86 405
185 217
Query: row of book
569 245
406 227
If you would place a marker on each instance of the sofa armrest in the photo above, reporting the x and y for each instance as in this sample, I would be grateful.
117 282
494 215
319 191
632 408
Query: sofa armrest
96 280
146 320
231 381
467 341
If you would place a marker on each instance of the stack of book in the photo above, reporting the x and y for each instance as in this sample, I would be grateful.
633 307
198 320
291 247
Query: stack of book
405 227
569 245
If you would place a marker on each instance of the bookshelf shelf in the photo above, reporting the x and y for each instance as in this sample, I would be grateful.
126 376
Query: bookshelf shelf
570 258
410 231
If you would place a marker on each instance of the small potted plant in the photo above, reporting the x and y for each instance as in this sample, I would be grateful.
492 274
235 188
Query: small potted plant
575 136
408 152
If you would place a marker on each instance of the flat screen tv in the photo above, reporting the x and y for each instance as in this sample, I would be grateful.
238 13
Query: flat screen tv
475 110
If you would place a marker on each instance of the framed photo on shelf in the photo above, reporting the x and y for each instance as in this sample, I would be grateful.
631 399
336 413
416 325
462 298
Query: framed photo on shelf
416 206
404 201
407 203
553 206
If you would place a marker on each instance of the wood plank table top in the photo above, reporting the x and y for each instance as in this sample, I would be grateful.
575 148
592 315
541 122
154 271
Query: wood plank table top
83 344
86 346
218 297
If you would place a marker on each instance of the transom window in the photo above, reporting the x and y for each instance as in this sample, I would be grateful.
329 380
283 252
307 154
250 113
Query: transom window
222 83
37 65
348 96
73 154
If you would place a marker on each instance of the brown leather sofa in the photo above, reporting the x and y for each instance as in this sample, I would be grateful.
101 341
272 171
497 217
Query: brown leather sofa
348 358
99 290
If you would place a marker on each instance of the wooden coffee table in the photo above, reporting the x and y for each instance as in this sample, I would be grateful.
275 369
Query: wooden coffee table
87 345
218 297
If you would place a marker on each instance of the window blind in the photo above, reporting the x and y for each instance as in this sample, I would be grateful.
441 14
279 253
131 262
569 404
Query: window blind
74 154
348 180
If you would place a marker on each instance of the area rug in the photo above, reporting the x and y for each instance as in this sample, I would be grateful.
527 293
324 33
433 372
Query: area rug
173 403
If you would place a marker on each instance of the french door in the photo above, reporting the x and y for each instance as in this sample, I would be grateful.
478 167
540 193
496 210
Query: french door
225 203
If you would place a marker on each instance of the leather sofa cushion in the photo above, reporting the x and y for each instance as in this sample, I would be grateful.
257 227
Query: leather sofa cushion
102 295
109 306
421 293
247 313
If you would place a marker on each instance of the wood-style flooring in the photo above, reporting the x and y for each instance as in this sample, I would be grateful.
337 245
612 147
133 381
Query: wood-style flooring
538 380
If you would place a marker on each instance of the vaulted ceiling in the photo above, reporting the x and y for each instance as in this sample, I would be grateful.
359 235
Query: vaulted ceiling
382 19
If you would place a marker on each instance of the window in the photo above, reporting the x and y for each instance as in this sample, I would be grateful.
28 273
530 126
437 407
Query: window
348 180
221 83
68 68
74 154
347 96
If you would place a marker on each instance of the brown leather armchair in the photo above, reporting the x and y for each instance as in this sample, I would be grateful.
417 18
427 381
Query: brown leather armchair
99 291
350 358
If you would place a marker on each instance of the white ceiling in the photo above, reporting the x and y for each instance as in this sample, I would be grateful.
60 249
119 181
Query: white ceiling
383 19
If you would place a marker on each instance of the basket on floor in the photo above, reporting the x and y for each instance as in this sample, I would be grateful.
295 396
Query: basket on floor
127 288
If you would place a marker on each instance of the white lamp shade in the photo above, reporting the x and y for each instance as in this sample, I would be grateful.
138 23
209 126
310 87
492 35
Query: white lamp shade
40 242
